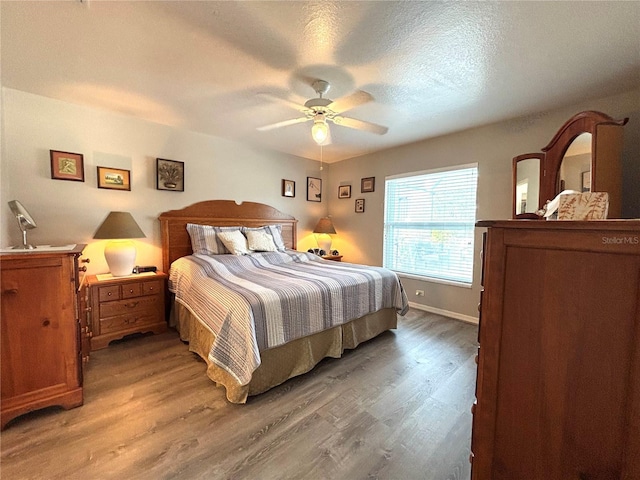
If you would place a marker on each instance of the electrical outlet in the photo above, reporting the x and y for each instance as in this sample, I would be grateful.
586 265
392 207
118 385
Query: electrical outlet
419 293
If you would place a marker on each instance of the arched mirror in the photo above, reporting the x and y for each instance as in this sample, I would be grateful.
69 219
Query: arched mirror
575 168
527 170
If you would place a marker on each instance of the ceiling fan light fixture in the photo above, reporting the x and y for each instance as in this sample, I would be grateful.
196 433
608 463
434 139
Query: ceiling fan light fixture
320 130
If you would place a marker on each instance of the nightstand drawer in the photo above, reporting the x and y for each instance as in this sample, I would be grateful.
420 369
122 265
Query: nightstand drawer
109 293
129 306
131 290
151 288
132 321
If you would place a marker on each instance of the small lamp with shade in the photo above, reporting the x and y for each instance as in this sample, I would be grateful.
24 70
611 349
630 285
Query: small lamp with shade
120 252
324 229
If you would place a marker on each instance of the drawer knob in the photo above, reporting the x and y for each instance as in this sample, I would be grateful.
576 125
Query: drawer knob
46 322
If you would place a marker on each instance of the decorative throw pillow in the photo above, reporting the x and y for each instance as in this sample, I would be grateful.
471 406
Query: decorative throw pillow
260 241
204 239
274 230
235 242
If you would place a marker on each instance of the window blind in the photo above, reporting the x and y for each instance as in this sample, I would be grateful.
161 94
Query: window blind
429 223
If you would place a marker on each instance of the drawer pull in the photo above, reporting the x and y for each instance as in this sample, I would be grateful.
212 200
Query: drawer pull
131 320
46 323
132 304
11 290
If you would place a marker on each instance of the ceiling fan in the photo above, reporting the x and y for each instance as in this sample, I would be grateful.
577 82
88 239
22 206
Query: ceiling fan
320 110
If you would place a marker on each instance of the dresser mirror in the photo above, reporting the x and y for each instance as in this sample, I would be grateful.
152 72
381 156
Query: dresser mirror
584 155
527 169
575 169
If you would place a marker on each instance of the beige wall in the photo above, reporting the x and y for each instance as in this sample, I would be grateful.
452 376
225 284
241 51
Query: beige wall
70 212
492 147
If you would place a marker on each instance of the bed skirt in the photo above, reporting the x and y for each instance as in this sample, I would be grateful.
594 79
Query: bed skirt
286 361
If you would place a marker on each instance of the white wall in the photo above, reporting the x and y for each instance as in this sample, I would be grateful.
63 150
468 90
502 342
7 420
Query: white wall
493 147
70 212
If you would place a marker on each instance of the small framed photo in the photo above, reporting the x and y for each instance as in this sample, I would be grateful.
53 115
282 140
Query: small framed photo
67 166
344 191
114 178
368 184
169 175
360 205
314 189
288 188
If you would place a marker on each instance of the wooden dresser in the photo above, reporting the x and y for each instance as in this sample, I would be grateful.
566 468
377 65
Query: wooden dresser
558 385
121 306
41 359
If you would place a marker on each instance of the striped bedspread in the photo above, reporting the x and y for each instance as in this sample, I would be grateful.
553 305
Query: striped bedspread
259 301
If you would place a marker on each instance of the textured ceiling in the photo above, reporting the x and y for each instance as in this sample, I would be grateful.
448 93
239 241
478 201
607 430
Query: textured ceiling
432 67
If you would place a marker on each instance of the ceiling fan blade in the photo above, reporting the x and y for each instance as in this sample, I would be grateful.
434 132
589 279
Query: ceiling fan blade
350 101
360 125
285 123
284 101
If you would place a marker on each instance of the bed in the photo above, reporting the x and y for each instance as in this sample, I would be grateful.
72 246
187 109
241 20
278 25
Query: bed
271 358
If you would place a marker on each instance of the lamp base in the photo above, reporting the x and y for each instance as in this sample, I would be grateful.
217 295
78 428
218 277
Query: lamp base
324 242
121 257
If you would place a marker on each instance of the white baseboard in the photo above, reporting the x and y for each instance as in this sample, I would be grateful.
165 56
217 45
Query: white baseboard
445 313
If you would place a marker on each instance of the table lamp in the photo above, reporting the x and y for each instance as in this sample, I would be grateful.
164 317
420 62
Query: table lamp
120 252
323 230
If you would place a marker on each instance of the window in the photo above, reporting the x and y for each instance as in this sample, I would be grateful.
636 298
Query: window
429 222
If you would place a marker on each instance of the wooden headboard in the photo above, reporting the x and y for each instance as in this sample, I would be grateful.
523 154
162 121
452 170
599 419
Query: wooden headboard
173 224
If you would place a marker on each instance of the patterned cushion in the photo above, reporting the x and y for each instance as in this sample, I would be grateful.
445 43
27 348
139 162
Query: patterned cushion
235 242
274 230
260 241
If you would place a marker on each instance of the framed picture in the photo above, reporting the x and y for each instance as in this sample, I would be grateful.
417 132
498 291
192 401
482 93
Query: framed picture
288 188
360 205
368 184
67 166
314 189
114 178
344 191
169 175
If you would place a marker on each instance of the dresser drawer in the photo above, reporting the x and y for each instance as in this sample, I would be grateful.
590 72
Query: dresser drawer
131 290
130 306
151 288
122 323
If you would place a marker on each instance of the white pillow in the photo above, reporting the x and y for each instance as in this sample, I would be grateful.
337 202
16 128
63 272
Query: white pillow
260 241
235 242
275 231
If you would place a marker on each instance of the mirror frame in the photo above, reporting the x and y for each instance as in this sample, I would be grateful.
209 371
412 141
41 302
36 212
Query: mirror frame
583 122
516 160
606 172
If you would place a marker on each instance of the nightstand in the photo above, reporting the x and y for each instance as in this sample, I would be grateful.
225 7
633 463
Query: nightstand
119 306
335 258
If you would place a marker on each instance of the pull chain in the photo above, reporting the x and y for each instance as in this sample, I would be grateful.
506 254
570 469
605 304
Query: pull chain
320 157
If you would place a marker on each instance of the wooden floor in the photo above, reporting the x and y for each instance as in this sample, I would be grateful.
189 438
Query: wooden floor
397 407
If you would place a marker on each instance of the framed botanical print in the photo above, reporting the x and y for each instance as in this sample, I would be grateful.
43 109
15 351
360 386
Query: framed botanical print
344 191
170 175
288 188
314 189
368 184
360 205
67 166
